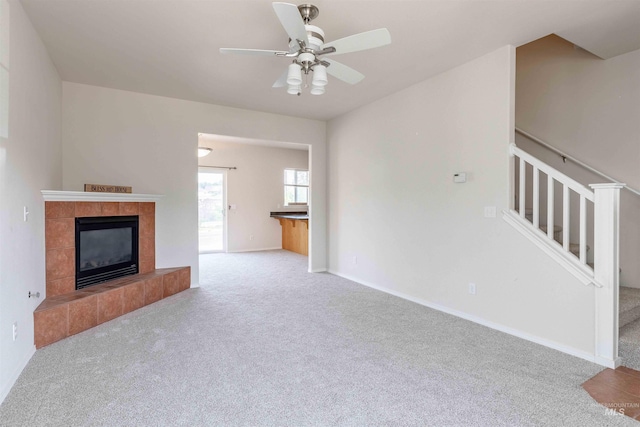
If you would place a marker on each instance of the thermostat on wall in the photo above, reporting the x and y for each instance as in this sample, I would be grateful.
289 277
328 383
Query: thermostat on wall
460 177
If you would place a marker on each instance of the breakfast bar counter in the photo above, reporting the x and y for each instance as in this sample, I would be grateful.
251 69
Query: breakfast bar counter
295 231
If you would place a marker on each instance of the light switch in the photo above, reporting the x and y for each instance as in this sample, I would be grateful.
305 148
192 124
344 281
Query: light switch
489 211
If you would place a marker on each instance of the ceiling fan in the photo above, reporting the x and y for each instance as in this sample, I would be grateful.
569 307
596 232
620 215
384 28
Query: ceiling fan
309 51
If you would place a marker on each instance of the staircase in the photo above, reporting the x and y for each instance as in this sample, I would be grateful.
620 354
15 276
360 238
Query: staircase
578 227
629 306
540 193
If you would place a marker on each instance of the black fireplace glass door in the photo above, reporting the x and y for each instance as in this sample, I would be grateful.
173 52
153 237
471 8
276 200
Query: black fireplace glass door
106 248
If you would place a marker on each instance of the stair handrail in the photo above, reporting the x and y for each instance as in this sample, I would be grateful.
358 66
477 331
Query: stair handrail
554 173
580 163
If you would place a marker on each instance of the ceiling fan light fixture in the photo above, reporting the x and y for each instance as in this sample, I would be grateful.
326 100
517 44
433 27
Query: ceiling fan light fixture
320 75
203 151
294 89
317 90
294 76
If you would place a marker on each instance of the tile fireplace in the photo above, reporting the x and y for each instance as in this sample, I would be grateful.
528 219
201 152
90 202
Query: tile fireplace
68 309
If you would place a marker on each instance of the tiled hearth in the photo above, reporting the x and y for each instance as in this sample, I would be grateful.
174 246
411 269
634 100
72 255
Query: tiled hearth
64 315
65 311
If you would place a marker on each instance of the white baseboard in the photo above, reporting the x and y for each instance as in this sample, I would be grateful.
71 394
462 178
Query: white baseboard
502 328
255 250
613 364
6 388
319 270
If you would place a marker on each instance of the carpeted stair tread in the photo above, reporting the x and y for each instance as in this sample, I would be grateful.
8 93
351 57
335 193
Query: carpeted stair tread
629 306
629 343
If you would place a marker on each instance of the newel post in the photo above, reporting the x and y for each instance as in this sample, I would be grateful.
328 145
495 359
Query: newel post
606 270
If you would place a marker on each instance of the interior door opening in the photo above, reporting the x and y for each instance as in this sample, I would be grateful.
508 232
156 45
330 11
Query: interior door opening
211 211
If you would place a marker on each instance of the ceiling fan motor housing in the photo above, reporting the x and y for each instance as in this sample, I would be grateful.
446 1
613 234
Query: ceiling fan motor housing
316 36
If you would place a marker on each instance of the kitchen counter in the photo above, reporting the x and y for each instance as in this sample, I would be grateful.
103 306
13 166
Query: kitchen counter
290 215
295 231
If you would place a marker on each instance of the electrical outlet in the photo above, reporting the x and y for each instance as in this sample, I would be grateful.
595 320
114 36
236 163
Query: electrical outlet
250 236
355 260
25 214
15 330
472 288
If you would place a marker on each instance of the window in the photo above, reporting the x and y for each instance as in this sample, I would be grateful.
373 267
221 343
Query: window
296 187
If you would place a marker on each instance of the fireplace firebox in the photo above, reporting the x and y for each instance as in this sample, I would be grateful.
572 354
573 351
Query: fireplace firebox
106 248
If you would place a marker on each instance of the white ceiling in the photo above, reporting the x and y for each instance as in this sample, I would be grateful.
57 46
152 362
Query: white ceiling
171 47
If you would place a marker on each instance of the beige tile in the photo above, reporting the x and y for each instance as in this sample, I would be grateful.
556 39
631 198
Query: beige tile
153 290
61 286
128 208
60 233
84 209
60 263
148 208
133 297
110 304
50 325
59 209
109 208
184 278
83 314
147 225
170 284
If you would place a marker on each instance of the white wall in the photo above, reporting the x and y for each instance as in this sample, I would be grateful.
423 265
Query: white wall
30 160
581 104
149 142
590 109
256 189
415 233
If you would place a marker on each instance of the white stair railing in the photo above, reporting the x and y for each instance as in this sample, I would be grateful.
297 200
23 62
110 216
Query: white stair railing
604 276
568 185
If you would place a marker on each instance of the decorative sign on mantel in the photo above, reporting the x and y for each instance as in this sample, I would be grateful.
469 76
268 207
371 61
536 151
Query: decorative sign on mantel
95 188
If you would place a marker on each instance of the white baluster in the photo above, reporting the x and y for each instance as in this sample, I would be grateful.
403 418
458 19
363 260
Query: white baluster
566 211
536 197
583 229
550 208
523 194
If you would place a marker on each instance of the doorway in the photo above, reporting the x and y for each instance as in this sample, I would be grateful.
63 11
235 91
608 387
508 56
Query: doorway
212 212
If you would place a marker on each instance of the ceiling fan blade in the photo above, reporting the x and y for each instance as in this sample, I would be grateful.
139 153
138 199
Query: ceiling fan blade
291 20
361 41
343 72
282 80
254 52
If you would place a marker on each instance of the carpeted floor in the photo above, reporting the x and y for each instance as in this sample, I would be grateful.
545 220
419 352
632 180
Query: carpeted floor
263 342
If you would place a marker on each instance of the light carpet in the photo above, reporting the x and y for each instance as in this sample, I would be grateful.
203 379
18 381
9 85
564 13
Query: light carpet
263 342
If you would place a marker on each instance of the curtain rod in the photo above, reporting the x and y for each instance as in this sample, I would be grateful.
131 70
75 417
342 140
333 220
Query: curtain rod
218 167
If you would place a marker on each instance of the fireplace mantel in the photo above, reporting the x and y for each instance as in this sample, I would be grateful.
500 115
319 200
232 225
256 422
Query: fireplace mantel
82 196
